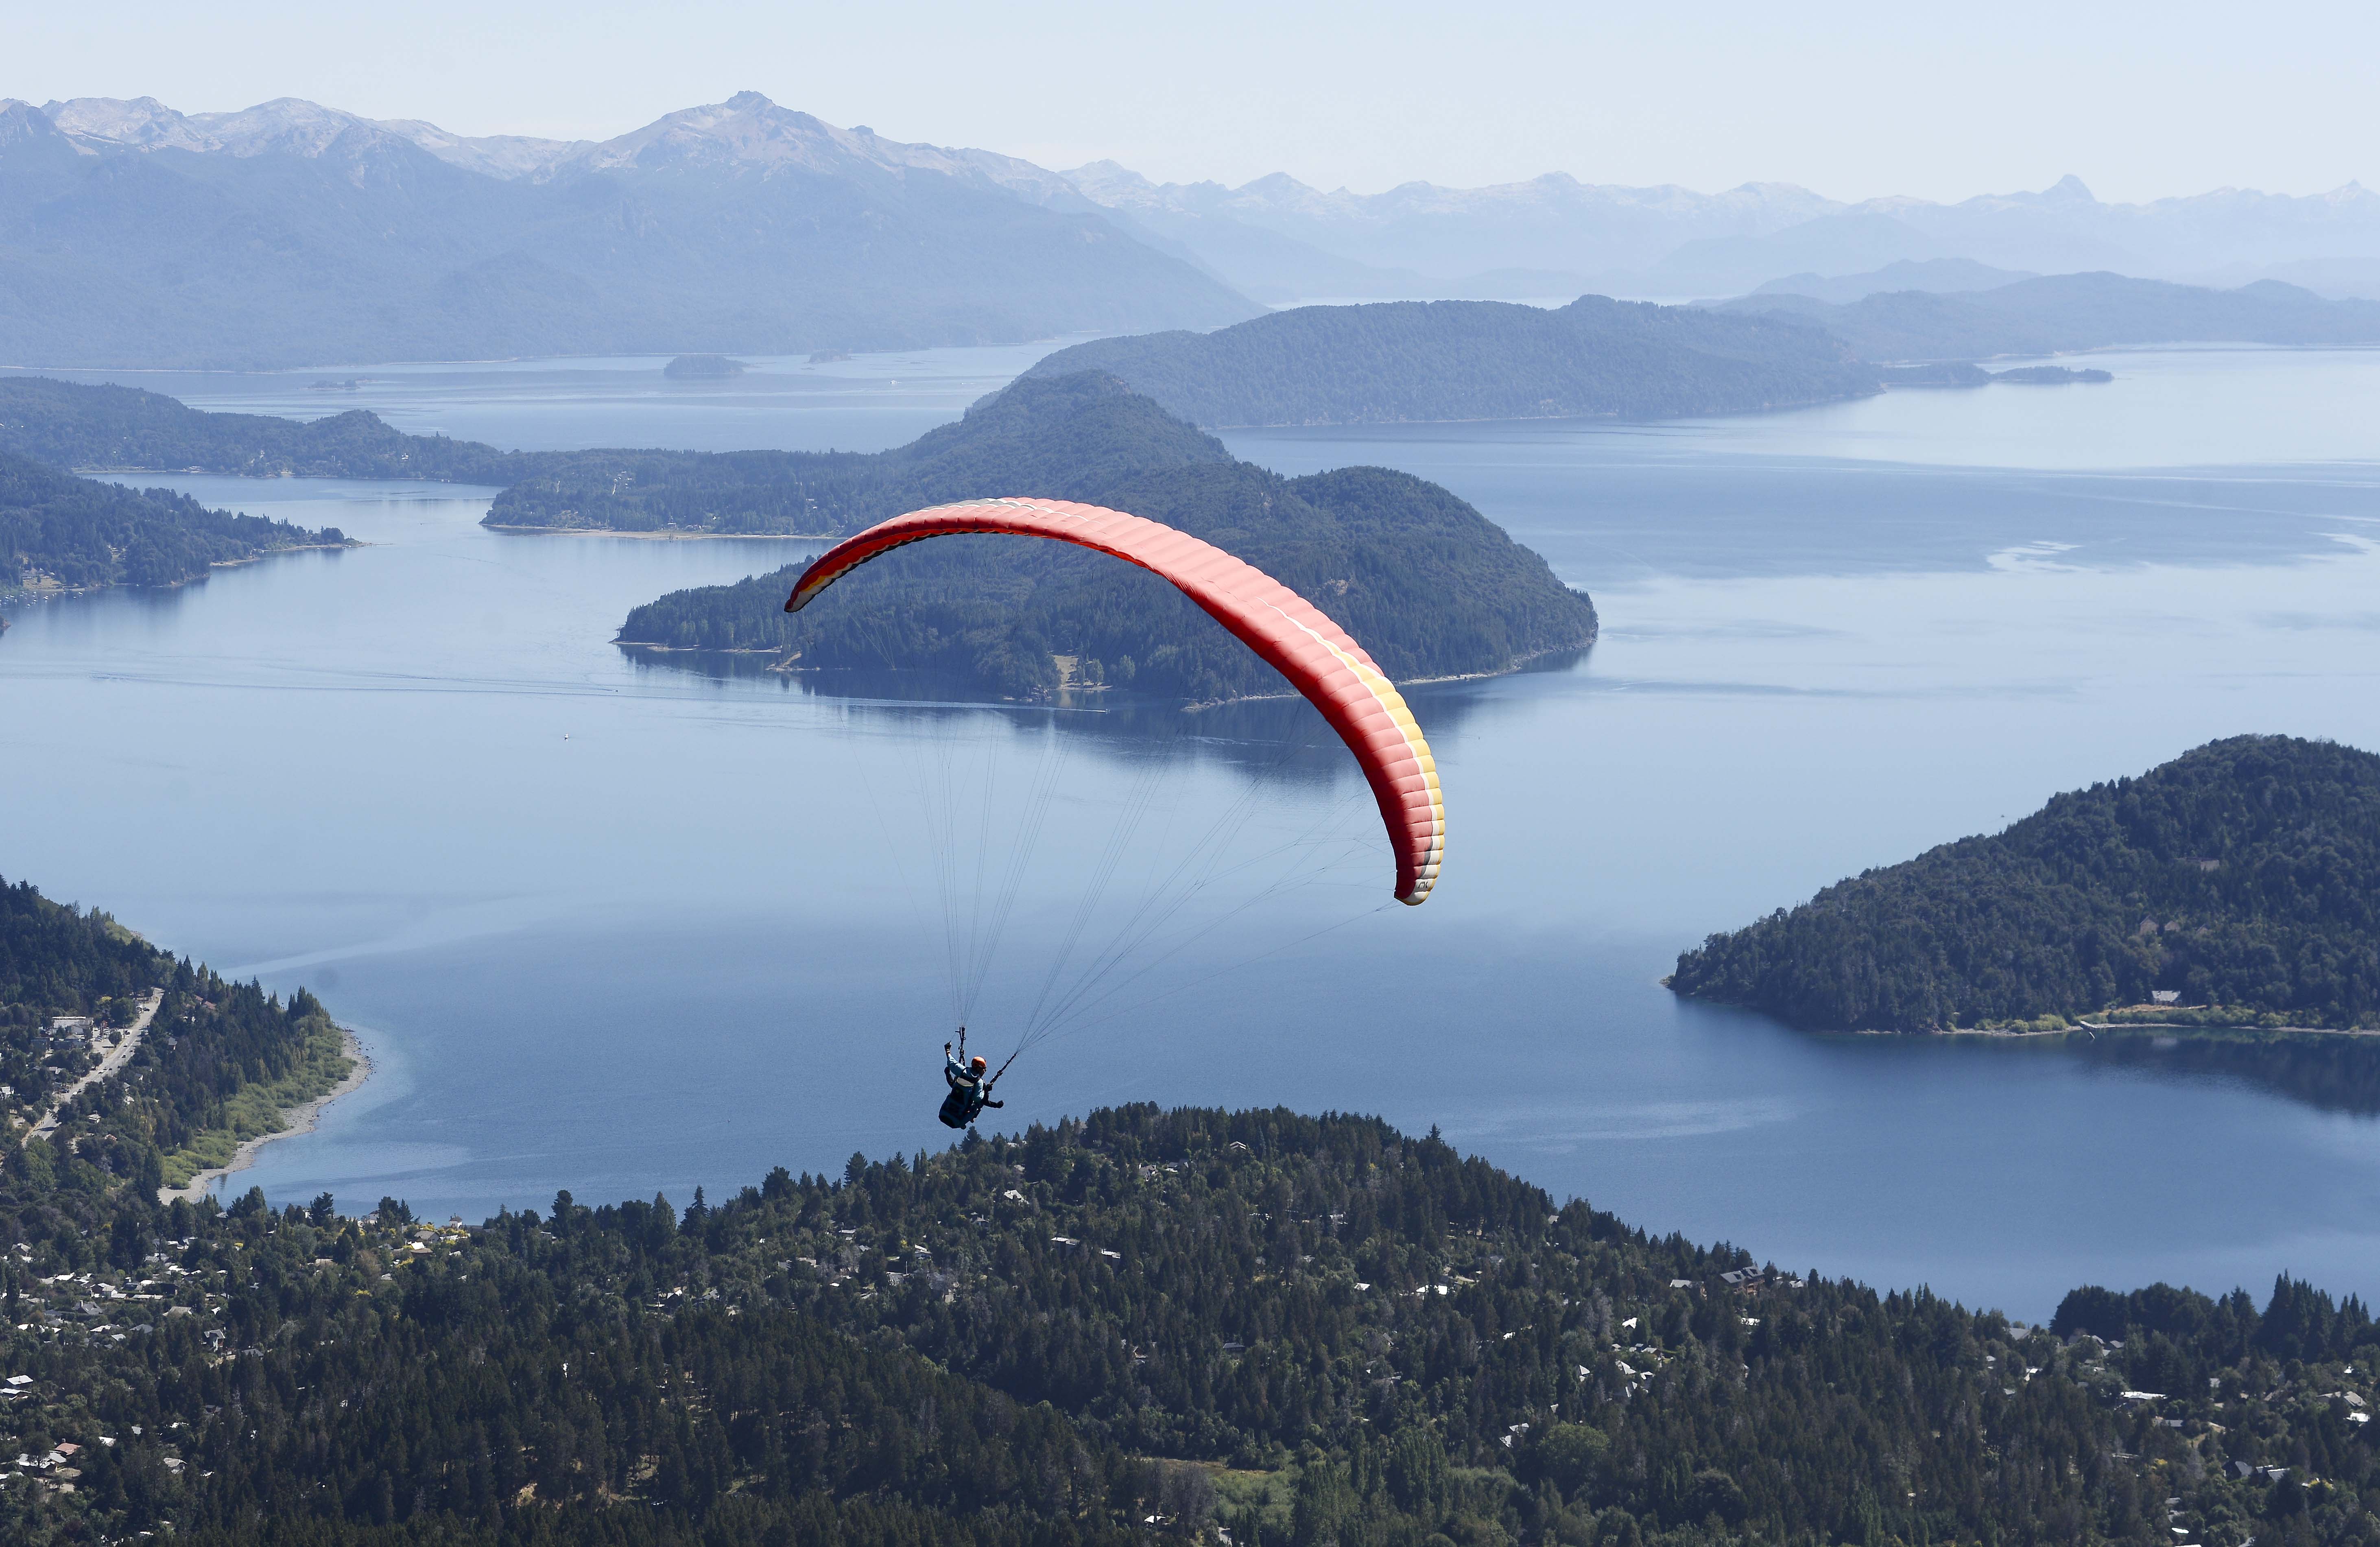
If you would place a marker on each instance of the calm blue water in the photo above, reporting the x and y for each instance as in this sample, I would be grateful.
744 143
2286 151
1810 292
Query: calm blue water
621 928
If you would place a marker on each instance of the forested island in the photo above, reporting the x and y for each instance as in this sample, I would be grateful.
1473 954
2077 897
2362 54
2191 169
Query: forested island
1431 587
2237 885
1137 1327
1403 361
59 533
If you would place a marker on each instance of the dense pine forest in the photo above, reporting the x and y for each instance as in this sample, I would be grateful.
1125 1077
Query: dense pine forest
2241 880
1405 361
1431 587
1144 1325
59 533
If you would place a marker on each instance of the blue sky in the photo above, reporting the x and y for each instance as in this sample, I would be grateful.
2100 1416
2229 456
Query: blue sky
1854 100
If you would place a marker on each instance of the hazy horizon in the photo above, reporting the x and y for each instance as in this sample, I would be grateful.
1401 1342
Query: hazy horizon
1858 104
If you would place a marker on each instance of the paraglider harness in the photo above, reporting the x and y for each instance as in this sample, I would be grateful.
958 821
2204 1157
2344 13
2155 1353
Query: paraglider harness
970 1093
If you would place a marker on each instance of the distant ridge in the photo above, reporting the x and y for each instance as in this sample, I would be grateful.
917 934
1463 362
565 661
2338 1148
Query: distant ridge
2062 312
1406 361
1940 276
1279 240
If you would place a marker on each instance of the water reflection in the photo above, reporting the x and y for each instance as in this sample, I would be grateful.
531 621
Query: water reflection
2332 1073
1282 736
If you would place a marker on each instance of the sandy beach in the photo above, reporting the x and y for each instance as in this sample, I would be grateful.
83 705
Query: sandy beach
301 1119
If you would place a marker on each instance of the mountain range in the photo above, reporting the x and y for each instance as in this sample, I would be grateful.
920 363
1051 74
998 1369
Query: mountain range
290 234
1276 238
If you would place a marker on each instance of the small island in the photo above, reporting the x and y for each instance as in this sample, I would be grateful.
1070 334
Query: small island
703 368
2051 375
2232 887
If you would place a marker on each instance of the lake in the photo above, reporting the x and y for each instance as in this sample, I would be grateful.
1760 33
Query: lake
618 927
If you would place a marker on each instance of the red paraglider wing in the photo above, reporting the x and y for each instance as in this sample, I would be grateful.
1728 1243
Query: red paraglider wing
1289 632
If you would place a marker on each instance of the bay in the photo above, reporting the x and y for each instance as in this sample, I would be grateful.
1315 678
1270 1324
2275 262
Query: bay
614 926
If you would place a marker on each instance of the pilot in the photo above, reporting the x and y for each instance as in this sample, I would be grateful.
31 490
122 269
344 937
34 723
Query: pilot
969 1094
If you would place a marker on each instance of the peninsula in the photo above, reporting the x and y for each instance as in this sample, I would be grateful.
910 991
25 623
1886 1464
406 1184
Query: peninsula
62 533
1431 587
120 1061
70 426
2232 886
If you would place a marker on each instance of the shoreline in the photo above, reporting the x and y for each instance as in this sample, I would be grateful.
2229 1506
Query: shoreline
302 1119
662 536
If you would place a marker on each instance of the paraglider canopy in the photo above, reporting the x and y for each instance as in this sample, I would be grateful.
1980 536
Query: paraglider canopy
1291 634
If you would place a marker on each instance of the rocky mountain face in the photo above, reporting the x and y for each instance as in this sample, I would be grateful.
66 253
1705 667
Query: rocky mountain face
290 233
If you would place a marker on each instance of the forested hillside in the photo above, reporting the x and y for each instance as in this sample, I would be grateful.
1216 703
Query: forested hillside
1401 361
1430 586
2242 879
1142 1326
59 533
